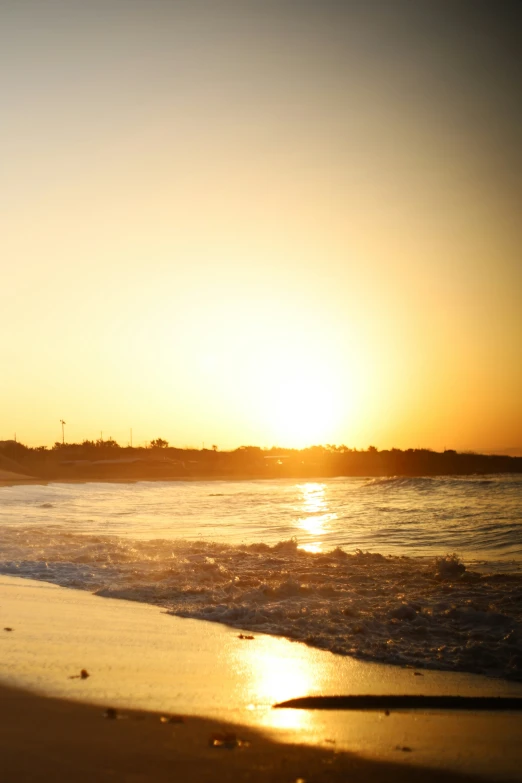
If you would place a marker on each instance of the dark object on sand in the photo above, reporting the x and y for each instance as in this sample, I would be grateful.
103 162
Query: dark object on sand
475 703
244 636
110 713
81 676
226 740
221 740
172 719
8 629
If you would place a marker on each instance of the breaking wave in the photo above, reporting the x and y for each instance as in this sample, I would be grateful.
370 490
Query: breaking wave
424 612
420 483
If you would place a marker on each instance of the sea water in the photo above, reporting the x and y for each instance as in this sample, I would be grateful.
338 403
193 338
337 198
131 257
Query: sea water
425 572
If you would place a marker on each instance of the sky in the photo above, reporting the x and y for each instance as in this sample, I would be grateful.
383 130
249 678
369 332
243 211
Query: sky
273 222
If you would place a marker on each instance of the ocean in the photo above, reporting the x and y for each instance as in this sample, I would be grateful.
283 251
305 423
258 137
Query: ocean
424 572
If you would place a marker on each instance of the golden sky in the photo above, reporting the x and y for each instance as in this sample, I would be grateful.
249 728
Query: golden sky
261 222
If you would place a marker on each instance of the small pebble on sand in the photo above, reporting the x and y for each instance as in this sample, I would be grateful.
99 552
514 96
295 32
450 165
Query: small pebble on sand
172 719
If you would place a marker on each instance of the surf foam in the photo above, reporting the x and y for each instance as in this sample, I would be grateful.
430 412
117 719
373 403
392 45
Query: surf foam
422 612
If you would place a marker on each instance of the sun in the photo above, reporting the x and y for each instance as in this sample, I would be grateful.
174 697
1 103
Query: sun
302 410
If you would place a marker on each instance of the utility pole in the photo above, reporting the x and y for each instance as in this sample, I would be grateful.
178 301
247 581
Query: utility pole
63 431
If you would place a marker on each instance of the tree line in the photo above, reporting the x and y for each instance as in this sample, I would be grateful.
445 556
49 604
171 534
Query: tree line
159 458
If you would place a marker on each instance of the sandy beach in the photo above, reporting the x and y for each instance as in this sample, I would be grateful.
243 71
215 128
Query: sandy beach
47 739
260 421
147 665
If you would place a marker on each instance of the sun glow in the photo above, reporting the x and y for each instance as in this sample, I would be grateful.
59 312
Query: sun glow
298 395
303 411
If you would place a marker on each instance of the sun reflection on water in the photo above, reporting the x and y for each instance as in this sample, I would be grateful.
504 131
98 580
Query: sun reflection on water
315 517
314 547
313 496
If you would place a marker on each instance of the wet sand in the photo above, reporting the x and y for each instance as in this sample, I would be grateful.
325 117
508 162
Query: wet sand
140 659
46 739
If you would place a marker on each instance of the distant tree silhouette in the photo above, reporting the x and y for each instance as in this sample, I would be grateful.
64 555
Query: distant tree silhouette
159 443
107 444
65 459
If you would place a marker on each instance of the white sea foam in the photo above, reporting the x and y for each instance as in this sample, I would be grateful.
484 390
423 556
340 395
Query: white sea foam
424 612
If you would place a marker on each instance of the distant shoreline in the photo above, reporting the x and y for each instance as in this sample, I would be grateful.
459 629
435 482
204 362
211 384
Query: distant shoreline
39 481
107 461
134 480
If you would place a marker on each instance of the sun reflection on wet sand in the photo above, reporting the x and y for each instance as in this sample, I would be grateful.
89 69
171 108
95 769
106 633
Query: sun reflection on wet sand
276 678
315 515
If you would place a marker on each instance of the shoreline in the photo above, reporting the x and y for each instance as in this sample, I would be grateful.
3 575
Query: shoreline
158 479
140 659
40 481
